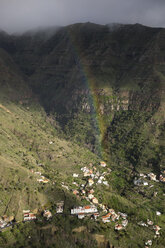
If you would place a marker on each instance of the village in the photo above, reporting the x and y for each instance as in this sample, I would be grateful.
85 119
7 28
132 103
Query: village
84 185
151 176
92 177
145 180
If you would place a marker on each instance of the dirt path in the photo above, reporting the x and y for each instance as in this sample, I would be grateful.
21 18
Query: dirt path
8 204
5 109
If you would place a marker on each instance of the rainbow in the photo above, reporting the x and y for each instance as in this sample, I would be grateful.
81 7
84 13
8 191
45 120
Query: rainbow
90 82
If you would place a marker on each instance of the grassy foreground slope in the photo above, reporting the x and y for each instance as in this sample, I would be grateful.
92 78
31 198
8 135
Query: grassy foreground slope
29 141
25 135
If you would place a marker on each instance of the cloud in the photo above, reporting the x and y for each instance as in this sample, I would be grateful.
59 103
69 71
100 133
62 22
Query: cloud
19 15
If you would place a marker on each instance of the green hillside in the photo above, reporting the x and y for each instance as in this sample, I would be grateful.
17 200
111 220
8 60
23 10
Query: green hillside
29 137
74 96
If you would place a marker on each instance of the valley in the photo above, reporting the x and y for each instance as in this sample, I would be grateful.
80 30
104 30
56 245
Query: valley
82 121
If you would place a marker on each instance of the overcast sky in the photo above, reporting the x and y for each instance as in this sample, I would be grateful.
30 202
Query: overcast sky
20 15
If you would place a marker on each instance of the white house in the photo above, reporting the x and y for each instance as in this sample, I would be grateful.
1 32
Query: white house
29 216
103 164
60 207
90 196
158 213
149 242
75 175
152 176
90 209
90 181
105 183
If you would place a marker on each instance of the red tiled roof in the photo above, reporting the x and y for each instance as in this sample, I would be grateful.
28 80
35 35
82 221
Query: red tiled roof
104 217
32 215
87 207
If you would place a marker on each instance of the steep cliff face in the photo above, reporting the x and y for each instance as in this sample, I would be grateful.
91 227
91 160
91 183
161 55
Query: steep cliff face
92 75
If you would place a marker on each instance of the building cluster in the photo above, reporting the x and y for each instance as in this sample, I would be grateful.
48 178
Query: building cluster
93 177
6 221
28 215
92 211
41 178
156 229
151 176
110 216
141 181
121 219
149 223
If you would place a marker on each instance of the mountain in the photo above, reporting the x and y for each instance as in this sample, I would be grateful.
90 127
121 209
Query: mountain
76 95
88 70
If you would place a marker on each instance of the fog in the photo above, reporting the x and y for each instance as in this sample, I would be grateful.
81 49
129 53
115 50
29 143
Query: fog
22 15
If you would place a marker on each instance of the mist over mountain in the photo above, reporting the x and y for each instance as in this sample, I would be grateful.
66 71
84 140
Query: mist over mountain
22 15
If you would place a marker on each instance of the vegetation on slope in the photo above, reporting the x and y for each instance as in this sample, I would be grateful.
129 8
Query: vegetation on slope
85 87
